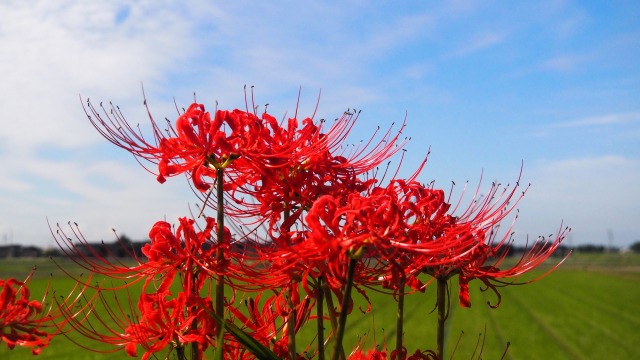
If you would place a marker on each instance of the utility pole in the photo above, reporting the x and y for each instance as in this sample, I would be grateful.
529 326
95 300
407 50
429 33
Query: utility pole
610 243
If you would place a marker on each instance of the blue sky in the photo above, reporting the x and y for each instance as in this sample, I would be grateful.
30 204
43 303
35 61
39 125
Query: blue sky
486 85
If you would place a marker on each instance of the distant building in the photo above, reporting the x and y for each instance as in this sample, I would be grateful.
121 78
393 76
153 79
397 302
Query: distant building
117 249
19 251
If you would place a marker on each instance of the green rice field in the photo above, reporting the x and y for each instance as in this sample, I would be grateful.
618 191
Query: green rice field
587 309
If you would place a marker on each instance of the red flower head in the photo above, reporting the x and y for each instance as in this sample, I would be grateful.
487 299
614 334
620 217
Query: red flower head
170 251
166 321
481 222
360 354
194 141
20 317
174 308
262 160
26 322
265 322
202 144
485 262
401 227
197 145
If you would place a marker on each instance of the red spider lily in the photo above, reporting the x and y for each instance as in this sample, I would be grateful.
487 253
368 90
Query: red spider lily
430 236
320 222
157 321
423 355
27 322
375 354
369 355
95 259
485 263
381 352
297 166
169 322
182 258
294 164
378 226
201 151
184 251
21 318
195 140
168 253
390 230
197 145
398 225
268 323
481 220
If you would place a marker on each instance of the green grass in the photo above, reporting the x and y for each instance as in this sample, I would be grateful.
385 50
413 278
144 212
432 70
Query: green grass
585 310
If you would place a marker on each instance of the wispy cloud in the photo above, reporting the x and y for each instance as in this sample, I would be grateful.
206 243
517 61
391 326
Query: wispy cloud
399 31
553 64
570 26
562 63
56 52
383 58
479 43
584 192
607 119
53 51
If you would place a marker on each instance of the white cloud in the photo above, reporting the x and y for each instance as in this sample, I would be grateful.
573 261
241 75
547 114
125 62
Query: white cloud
479 43
562 63
556 63
99 196
607 119
57 50
592 195
398 31
570 26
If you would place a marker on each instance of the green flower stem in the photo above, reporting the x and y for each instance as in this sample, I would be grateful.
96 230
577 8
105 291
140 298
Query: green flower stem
330 308
320 314
291 318
342 321
400 318
442 315
291 324
180 353
219 261
195 351
333 319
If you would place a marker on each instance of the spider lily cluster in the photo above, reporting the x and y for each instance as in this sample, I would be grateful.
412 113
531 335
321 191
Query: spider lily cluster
299 220
32 323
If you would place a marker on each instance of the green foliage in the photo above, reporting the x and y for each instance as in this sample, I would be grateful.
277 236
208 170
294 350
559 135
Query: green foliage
251 344
584 310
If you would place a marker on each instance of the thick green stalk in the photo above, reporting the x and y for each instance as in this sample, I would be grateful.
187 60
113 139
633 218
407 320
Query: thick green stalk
346 298
400 319
442 316
291 318
219 260
195 351
180 353
320 314
331 309
291 324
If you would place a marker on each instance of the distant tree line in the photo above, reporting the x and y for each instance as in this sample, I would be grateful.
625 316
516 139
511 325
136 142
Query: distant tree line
127 248
563 250
122 249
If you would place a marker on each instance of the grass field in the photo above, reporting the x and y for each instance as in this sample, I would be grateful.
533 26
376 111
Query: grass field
588 309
